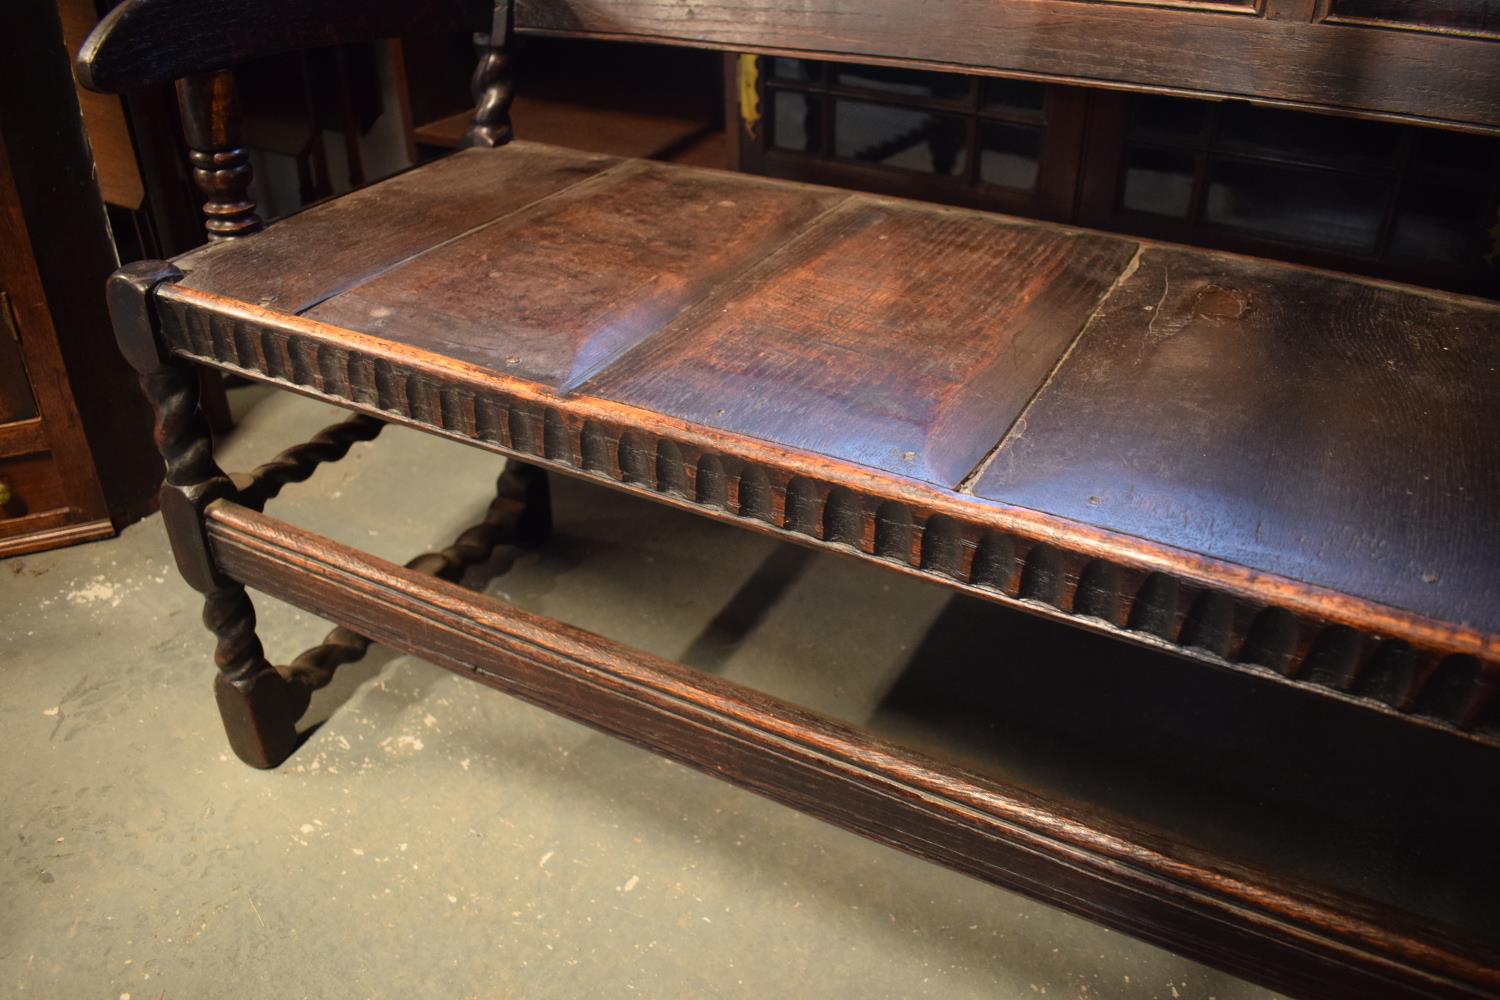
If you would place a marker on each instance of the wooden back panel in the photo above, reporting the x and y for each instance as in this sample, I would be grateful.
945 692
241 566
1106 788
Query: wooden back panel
1297 53
146 42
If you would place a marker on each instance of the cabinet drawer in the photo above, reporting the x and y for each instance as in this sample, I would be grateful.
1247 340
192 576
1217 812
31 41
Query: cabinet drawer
35 487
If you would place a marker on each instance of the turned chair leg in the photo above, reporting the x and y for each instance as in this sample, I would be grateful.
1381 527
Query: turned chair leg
259 704
260 709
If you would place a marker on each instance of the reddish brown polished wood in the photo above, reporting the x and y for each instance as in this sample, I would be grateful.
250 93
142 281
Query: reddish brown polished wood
1328 430
333 245
553 293
897 336
1277 931
770 383
839 371
1200 52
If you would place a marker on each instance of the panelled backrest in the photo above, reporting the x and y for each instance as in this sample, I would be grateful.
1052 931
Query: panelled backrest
1327 54
1440 65
1347 56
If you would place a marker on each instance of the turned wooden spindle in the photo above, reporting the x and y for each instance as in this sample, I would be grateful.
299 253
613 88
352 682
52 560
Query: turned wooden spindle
492 85
210 112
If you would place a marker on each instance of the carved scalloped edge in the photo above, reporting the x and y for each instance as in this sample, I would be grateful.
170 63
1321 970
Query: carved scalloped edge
1452 692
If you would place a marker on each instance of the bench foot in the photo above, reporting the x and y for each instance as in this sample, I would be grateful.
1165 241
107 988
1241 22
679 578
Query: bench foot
260 718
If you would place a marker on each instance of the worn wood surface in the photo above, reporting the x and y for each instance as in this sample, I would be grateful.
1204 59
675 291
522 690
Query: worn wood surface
553 293
1401 74
1363 70
1325 429
1286 935
896 336
338 244
144 42
1206 610
841 368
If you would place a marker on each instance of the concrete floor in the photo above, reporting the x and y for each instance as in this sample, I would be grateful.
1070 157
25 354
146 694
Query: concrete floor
435 838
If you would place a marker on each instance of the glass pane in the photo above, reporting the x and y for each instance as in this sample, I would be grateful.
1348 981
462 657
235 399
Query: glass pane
795 69
1169 119
1015 95
916 83
1440 223
1158 181
797 121
1307 138
1338 211
16 401
1455 151
1481 16
1009 154
899 137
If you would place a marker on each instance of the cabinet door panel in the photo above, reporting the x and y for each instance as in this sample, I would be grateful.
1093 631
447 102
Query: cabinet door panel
1466 17
16 400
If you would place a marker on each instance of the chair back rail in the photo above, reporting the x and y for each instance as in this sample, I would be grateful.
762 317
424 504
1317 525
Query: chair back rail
1284 52
1267 51
141 43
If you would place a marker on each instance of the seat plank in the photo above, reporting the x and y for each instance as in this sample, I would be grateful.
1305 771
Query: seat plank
1330 430
894 335
1221 455
305 258
553 293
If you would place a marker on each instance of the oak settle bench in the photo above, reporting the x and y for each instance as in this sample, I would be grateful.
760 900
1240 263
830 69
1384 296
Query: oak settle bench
1254 466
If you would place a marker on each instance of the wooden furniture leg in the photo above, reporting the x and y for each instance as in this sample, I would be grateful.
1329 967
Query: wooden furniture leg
259 708
260 704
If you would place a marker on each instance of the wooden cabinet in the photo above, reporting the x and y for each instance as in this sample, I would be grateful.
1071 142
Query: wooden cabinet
49 490
76 460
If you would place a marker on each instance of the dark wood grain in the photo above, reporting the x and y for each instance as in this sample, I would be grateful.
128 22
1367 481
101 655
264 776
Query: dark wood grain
259 709
1280 933
209 108
554 293
1332 431
892 335
1423 671
839 371
340 243
145 42
46 462
1404 74
1357 70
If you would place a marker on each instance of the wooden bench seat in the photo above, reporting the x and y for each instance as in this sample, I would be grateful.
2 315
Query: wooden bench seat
1254 464
1256 467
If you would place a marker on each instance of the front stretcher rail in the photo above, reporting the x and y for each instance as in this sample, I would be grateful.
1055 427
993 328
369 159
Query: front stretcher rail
1287 936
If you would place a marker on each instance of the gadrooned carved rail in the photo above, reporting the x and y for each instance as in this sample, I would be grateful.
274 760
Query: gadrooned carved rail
1427 683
